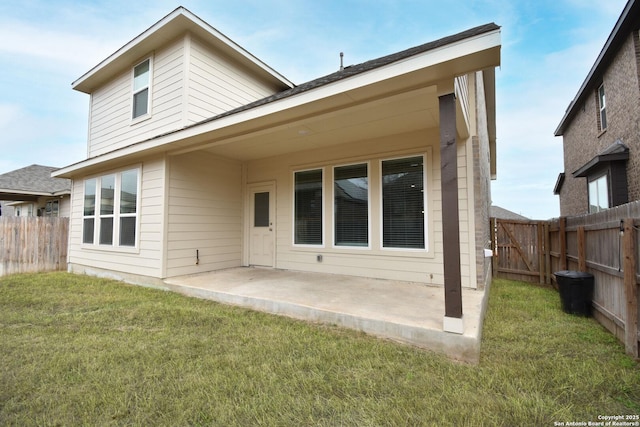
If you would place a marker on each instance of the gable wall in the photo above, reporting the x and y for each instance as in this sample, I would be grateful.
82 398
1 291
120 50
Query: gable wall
217 84
111 126
190 82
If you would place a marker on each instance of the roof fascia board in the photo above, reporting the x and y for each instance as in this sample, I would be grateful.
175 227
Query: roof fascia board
82 83
612 41
25 192
448 55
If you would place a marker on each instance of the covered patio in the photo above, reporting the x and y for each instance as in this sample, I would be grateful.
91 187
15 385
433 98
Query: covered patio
407 312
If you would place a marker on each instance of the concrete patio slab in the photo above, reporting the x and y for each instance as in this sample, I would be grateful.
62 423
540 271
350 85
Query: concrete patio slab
411 313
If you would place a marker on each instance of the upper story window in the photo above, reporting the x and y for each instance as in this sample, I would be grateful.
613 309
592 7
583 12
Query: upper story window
141 88
602 109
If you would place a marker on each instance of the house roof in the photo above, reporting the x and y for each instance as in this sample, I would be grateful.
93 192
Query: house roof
628 21
615 152
502 213
172 26
354 70
404 84
31 182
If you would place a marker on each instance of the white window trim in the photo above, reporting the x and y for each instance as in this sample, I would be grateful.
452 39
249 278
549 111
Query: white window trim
293 209
115 245
602 105
333 204
425 200
147 115
597 178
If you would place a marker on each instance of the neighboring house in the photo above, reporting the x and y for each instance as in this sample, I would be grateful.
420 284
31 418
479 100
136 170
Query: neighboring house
201 157
31 191
601 128
502 213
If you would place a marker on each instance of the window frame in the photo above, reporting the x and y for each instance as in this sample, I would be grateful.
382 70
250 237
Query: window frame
147 86
335 244
601 98
323 214
98 216
52 208
424 204
594 180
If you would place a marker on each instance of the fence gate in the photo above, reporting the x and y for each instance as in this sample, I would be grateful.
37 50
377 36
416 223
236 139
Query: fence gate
518 248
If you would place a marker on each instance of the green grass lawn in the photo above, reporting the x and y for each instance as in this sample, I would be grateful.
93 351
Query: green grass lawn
76 350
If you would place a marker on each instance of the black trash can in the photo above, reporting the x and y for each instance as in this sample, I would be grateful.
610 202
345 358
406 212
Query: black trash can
576 291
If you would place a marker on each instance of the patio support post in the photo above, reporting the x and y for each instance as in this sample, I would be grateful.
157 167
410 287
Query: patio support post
450 216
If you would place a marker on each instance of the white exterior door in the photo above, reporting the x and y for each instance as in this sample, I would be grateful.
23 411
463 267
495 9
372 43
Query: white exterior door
262 206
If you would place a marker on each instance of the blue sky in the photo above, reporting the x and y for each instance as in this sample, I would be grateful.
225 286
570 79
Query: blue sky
548 48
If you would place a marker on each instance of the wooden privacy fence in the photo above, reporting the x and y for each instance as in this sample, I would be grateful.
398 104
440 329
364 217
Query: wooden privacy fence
33 244
605 244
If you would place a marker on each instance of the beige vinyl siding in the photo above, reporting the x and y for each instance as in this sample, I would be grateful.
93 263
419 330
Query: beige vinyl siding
218 84
189 83
145 260
419 266
111 126
204 214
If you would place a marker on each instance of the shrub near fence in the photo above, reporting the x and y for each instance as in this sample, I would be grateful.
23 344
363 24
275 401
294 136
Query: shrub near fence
33 244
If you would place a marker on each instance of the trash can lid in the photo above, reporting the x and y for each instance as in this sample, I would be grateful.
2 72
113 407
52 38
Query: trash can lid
573 274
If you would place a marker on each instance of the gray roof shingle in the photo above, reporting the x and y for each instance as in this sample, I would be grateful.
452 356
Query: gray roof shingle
34 179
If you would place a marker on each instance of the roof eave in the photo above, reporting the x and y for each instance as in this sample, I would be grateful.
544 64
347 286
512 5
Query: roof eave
615 39
480 52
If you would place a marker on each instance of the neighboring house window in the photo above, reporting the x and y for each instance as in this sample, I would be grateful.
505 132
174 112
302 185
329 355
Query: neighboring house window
403 205
351 205
141 88
52 208
115 223
24 210
598 194
308 207
602 109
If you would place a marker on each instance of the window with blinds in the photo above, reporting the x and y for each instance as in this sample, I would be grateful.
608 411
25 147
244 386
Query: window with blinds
403 203
351 205
308 207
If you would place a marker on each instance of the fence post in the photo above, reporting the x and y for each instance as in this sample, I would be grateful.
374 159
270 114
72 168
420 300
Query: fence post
540 237
582 256
630 289
547 252
562 234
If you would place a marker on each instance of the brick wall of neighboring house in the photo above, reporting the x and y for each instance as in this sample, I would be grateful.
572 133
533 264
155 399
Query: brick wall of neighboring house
583 141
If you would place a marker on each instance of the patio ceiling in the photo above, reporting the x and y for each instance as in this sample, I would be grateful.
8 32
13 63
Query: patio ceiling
400 113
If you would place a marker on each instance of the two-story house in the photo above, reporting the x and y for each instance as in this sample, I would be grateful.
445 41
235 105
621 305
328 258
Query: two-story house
601 127
201 157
